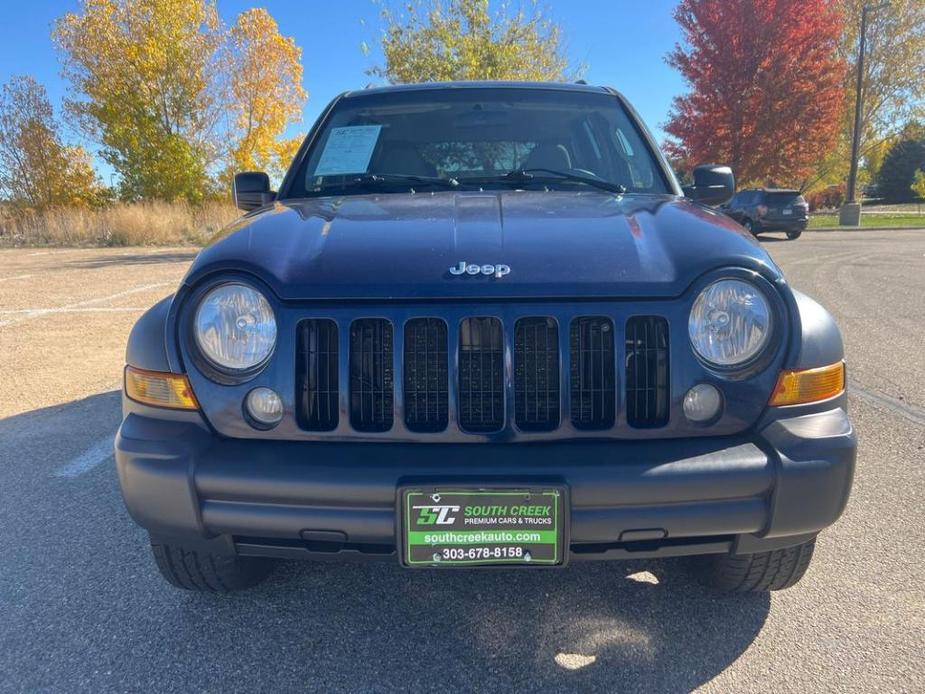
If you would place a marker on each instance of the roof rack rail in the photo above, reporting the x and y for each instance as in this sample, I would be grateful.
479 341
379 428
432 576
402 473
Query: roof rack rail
581 82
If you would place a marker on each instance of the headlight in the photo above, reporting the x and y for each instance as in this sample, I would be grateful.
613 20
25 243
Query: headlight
235 328
730 323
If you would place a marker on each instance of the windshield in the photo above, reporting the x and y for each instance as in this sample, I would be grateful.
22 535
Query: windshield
478 138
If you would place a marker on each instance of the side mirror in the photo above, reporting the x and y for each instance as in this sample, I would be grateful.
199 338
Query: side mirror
251 190
713 185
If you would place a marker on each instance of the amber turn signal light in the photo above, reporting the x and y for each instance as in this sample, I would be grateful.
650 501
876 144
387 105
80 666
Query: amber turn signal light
159 389
801 386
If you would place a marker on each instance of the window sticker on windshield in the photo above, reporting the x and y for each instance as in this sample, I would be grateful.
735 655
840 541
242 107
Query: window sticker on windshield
348 150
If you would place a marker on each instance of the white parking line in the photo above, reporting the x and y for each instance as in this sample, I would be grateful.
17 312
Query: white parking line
87 309
38 313
15 277
98 453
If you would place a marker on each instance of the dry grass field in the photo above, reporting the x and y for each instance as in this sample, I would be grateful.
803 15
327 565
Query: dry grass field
136 224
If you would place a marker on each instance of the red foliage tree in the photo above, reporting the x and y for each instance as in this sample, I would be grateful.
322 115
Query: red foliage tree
767 89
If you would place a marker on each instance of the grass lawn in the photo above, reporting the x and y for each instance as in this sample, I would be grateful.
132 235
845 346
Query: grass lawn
892 221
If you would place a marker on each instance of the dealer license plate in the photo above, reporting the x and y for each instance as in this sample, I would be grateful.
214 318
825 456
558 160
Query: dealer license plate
454 526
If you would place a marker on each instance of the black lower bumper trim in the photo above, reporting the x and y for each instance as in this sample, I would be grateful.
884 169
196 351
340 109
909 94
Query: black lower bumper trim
667 497
293 549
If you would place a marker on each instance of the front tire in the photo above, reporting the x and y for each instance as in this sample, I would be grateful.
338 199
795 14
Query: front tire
778 569
207 572
794 235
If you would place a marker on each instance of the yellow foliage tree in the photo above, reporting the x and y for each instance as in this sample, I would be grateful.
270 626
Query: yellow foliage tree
266 92
893 88
144 78
465 40
894 62
918 186
37 170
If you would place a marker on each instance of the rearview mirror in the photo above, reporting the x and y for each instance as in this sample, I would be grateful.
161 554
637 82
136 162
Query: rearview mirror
251 190
713 185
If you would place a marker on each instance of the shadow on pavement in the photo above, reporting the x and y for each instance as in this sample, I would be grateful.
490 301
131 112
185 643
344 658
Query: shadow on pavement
594 626
774 239
153 258
86 608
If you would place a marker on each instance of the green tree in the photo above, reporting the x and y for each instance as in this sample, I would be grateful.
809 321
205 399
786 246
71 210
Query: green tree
437 41
37 170
897 174
145 86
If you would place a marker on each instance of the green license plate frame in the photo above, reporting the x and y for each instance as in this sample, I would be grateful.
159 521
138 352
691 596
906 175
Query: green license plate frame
451 525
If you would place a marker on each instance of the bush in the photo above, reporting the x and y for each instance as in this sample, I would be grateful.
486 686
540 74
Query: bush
830 198
135 224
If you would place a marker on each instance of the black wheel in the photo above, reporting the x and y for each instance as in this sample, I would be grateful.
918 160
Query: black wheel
757 573
793 235
207 572
749 227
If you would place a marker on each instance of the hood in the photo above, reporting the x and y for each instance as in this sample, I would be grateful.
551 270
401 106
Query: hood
556 244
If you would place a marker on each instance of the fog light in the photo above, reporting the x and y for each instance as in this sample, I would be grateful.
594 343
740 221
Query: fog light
264 406
702 403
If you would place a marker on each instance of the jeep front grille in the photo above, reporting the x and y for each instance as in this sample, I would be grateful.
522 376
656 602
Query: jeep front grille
481 374
536 374
371 388
426 387
646 372
592 372
397 374
317 374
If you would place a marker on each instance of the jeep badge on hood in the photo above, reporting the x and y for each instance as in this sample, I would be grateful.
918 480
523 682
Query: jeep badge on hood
465 268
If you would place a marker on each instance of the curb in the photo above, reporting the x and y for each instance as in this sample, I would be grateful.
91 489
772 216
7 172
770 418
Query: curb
857 229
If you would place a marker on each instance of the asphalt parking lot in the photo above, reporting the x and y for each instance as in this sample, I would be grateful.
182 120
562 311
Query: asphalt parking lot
83 609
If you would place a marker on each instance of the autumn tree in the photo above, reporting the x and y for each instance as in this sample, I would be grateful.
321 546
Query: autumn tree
434 41
266 93
143 74
766 86
37 170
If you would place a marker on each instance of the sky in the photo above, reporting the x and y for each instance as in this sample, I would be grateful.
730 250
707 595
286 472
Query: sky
621 43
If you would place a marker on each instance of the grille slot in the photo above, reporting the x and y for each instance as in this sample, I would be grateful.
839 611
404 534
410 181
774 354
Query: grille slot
592 372
426 385
481 374
317 374
646 372
371 371
536 374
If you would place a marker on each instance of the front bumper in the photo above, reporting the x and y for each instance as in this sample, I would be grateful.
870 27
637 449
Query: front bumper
656 498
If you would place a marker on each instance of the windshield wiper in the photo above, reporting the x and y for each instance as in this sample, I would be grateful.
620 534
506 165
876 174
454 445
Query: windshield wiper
527 176
375 181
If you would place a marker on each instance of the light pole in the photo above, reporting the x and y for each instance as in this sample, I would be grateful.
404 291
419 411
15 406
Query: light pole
850 214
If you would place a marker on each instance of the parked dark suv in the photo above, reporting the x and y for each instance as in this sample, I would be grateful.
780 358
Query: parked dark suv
768 209
479 325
